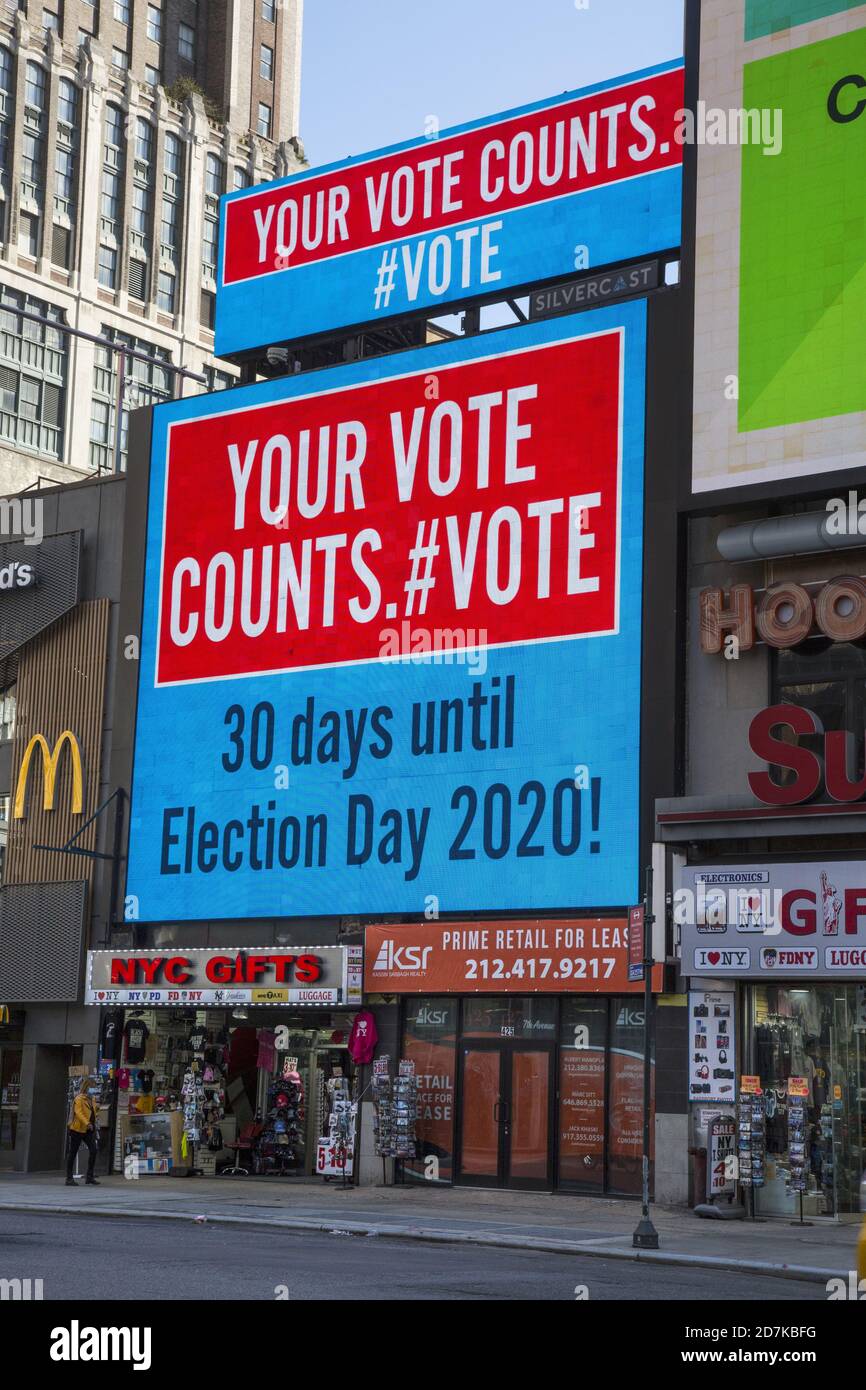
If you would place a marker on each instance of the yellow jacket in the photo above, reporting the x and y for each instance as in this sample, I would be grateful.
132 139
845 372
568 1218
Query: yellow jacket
84 1114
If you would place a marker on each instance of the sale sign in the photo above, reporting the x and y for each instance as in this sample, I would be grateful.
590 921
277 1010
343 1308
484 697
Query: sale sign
585 179
391 634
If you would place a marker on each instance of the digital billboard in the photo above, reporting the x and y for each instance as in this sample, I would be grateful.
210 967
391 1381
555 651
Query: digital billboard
781 247
774 16
585 179
390 655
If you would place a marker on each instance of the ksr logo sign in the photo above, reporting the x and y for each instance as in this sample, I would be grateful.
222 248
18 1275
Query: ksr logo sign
400 959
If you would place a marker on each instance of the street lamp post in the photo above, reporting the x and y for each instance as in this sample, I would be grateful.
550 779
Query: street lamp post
645 1235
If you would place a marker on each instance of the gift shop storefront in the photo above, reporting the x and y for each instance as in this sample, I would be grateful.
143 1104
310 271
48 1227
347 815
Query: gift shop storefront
784 945
527 1041
227 1061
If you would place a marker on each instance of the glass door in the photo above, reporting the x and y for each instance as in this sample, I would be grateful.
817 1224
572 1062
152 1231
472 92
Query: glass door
528 1156
483 1113
506 1113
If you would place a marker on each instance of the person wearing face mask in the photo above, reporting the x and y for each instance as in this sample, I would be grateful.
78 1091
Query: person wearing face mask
82 1129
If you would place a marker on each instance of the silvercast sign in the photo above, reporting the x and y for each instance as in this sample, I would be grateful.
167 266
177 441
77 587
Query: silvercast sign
589 290
234 975
757 921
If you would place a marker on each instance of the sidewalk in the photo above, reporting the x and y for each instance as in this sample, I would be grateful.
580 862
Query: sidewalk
520 1220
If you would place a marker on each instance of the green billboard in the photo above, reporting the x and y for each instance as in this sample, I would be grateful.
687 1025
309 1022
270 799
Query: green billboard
772 16
802 320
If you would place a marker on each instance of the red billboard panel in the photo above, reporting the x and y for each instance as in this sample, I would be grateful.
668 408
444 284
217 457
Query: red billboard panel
482 500
584 142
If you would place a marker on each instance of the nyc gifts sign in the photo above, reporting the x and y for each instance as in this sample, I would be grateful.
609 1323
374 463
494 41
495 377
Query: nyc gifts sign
582 180
392 631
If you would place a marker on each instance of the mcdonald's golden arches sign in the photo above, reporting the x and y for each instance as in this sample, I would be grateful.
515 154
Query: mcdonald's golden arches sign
50 764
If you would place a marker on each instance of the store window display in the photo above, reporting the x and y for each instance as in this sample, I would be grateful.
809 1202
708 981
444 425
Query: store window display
211 1091
11 1040
809 1051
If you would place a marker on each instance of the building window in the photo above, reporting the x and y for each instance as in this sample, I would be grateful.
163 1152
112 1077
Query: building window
146 383
34 86
143 141
64 181
137 279
108 267
165 294
154 23
50 22
121 11
168 227
207 310
172 154
119 59
266 63
32 148
213 179
431 1046
8 705
31 159
263 125
169 235
240 177
110 197
28 235
140 201
33 368
151 75
217 380
67 101
269 11
4 837
829 681
64 167
209 247
7 113
140 210
186 42
112 172
65 154
213 187
113 130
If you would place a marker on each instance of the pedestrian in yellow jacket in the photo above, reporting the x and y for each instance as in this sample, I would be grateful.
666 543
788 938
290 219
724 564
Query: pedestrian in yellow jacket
82 1129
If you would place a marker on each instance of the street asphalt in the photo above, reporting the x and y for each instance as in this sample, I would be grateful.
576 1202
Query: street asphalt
79 1257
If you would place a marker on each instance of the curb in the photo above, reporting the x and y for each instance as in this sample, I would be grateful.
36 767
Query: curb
804 1273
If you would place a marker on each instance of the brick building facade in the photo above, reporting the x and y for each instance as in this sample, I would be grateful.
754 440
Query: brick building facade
121 123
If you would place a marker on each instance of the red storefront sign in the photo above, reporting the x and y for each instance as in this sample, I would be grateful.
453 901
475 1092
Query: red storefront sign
581 955
770 739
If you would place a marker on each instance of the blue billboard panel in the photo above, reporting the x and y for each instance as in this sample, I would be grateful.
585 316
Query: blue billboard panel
390 653
586 179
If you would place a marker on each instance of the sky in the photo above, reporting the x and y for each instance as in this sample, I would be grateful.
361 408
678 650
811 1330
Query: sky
373 71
